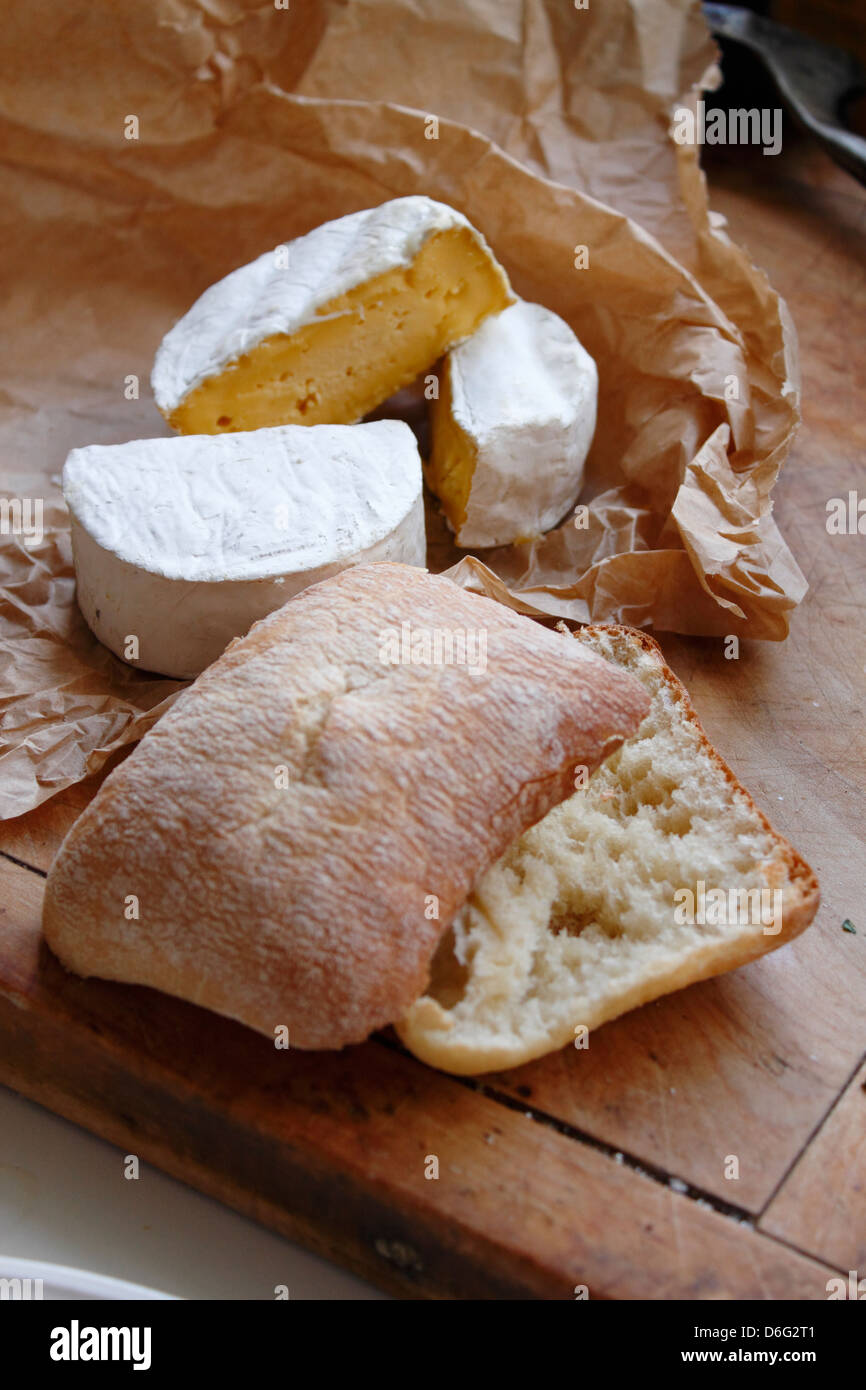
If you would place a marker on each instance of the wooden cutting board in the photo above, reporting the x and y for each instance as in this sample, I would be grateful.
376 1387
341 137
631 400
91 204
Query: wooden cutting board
608 1168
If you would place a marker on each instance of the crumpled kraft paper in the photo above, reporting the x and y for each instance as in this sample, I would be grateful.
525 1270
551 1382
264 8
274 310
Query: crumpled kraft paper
73 701
255 124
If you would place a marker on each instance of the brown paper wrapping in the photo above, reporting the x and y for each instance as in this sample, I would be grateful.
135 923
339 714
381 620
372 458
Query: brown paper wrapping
257 123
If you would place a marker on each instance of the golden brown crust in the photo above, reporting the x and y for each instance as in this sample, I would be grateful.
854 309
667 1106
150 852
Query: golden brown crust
309 905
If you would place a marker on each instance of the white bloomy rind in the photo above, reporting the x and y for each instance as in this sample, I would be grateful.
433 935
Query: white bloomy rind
525 391
183 543
284 289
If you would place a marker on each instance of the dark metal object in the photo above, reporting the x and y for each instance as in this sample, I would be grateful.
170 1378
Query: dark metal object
813 78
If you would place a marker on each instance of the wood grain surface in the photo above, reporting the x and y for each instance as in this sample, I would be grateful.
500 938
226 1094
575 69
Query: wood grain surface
820 1207
331 1149
559 1174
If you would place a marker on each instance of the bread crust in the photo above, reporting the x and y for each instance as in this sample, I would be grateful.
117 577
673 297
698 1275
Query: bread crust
422 1032
308 905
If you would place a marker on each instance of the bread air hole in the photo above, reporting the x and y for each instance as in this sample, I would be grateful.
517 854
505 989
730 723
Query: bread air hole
677 822
448 978
573 921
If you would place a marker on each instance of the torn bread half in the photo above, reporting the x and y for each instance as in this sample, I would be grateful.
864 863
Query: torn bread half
289 842
659 872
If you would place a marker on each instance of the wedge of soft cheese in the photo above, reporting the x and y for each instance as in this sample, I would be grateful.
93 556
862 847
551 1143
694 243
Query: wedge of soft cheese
181 544
325 328
512 427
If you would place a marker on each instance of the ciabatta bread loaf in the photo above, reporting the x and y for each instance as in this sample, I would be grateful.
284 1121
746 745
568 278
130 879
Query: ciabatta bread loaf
660 872
290 841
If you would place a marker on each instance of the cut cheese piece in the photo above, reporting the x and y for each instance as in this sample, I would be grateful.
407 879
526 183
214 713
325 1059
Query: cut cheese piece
512 427
325 328
181 544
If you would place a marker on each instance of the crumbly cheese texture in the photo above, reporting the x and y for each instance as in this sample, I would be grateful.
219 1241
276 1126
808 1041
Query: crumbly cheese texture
576 923
512 427
183 543
326 327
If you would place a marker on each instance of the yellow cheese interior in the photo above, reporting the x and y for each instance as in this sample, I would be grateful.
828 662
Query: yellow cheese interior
361 348
453 456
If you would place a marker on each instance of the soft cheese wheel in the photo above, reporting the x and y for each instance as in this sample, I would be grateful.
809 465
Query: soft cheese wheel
181 544
325 328
512 427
